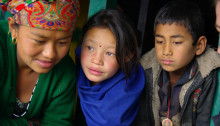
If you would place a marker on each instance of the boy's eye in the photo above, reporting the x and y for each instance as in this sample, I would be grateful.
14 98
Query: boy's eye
110 54
177 43
159 42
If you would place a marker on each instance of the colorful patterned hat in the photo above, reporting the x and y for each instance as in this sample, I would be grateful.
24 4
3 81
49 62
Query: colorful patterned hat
45 14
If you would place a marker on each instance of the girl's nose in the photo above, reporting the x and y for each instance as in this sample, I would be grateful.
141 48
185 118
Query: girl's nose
97 59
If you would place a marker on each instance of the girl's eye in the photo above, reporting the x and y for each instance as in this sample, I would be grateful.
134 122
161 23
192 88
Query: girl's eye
90 48
62 43
110 54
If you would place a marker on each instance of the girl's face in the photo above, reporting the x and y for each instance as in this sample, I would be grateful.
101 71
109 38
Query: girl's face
98 58
40 49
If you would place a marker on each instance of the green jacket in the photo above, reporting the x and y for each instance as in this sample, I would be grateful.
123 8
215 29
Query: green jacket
54 97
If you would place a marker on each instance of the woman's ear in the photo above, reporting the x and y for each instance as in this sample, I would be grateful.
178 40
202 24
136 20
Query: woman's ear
12 28
201 45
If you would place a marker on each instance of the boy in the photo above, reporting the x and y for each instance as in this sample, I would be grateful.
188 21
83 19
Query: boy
180 71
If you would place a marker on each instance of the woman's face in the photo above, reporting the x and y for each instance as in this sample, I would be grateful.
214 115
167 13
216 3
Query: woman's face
40 49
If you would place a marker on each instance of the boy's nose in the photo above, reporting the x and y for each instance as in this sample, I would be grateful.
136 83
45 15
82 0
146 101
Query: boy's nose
167 49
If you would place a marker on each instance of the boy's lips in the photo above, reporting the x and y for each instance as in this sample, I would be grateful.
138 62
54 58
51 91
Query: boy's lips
164 61
94 71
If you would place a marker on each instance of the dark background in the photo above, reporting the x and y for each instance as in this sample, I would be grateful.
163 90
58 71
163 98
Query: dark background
133 9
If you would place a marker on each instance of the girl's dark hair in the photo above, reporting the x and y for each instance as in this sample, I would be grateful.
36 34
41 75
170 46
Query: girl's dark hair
124 33
184 13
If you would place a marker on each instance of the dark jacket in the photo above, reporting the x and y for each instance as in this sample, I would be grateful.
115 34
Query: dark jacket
205 76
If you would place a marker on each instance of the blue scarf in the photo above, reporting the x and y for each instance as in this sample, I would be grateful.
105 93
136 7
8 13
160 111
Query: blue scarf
113 102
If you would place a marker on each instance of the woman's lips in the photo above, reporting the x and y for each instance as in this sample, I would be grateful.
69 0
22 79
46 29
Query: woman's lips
46 64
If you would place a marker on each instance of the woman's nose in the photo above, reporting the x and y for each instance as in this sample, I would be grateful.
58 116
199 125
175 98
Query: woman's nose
49 51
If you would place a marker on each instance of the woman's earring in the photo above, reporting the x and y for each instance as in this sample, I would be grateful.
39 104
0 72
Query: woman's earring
14 41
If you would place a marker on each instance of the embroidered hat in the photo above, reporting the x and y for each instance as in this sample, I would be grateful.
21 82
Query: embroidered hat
45 14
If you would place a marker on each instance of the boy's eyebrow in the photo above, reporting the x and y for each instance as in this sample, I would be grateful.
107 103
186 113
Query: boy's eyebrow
177 36
173 36
160 36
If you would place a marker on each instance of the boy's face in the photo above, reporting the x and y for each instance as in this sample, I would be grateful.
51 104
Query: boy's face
174 49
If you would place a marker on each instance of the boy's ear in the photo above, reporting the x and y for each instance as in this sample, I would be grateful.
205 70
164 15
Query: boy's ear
12 28
201 45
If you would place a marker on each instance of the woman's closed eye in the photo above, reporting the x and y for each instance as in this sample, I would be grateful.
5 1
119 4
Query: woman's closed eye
39 41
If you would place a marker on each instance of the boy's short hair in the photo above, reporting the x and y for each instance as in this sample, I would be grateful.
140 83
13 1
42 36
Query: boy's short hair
184 13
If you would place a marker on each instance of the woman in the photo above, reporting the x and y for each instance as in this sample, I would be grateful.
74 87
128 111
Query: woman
37 77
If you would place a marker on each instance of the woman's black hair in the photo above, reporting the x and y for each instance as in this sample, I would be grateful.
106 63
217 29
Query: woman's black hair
184 13
124 33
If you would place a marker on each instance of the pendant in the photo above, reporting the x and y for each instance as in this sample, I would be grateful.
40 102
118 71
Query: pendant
167 122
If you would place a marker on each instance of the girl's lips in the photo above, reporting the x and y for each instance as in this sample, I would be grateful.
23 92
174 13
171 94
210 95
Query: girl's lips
94 71
167 62
46 64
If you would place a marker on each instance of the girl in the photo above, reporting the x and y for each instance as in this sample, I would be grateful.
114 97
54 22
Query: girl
37 77
110 78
